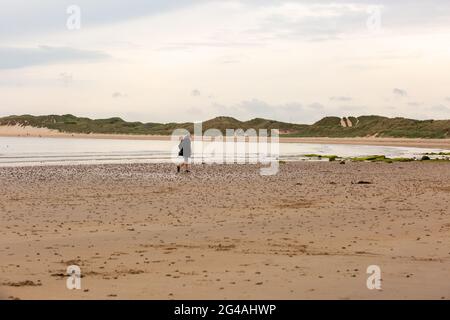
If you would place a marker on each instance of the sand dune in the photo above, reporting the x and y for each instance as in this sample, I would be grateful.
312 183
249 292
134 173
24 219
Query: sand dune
225 232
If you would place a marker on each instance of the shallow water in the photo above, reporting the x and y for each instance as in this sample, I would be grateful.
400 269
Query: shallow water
21 151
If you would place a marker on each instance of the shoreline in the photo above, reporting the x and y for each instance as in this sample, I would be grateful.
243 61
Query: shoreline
308 232
33 132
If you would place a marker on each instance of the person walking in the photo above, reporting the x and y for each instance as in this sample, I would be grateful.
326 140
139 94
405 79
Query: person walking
185 152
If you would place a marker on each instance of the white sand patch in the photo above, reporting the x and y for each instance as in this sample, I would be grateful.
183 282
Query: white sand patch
18 130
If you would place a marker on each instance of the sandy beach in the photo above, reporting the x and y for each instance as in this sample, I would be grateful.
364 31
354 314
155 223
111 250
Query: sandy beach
140 231
20 131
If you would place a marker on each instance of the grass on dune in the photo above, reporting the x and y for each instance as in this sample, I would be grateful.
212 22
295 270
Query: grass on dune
363 126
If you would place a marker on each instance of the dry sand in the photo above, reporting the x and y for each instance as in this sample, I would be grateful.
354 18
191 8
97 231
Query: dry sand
20 131
27 131
225 232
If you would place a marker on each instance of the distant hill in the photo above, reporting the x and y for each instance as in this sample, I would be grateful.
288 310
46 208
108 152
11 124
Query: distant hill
364 126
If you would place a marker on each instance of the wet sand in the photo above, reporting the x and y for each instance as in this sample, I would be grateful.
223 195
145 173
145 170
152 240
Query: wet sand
19 131
141 231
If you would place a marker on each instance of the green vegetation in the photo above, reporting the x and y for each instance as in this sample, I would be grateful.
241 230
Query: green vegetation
369 158
72 124
438 154
363 126
377 158
376 126
329 157
390 160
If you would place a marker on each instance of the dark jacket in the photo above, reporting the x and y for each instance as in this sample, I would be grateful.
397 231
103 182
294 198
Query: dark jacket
185 144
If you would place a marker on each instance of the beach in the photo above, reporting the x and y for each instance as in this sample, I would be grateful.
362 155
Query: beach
140 231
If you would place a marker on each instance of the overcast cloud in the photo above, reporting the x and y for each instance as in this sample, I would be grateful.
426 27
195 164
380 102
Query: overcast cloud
287 60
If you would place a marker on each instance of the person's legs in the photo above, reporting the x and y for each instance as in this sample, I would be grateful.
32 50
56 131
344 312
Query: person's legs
186 163
180 166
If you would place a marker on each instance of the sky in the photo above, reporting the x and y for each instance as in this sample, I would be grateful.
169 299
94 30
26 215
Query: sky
184 60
